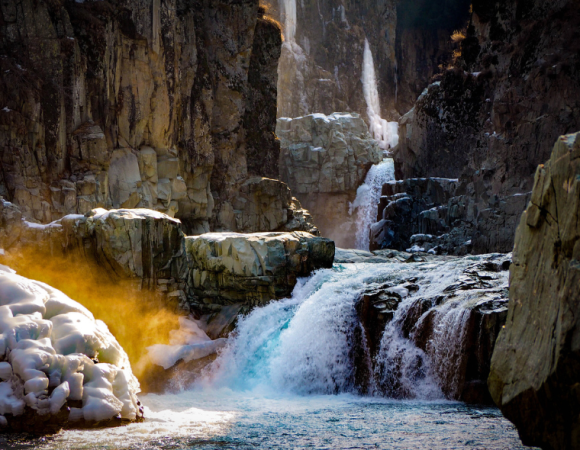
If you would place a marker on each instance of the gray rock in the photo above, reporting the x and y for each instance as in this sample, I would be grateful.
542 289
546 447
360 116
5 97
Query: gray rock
324 159
534 372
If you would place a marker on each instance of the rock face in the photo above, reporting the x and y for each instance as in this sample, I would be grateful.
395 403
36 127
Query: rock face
202 274
534 373
435 215
231 268
168 106
321 64
324 159
511 89
445 333
60 367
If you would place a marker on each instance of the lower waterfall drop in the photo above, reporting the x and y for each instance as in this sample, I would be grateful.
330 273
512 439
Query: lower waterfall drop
366 203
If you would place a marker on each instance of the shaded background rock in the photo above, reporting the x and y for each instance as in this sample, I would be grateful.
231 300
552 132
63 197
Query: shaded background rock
324 159
534 371
511 89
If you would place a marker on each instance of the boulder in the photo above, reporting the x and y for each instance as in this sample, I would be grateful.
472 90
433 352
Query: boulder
255 268
535 371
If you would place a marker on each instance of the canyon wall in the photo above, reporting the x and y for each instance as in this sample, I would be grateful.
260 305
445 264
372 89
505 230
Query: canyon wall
534 369
321 65
134 103
512 88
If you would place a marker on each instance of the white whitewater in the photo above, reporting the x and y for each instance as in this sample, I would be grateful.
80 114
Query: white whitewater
386 133
366 203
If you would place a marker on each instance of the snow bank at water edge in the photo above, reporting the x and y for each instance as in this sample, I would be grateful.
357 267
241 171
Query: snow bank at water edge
57 360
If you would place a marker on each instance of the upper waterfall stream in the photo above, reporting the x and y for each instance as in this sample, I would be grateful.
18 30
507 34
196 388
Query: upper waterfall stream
286 378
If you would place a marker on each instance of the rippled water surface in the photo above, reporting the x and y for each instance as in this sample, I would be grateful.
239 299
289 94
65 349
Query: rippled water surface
230 420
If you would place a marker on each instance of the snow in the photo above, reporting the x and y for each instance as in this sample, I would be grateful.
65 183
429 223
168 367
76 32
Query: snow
188 343
101 214
386 133
6 109
415 249
47 341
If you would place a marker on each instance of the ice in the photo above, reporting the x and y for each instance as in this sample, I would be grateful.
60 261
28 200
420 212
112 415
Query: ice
386 133
289 20
189 342
53 349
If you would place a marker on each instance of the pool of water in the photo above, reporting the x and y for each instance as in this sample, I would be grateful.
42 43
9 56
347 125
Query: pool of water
227 419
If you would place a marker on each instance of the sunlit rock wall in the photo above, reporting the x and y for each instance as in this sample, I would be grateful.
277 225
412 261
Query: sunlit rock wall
135 104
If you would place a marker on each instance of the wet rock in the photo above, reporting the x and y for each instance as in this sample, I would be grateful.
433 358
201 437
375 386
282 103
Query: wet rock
453 329
534 374
324 159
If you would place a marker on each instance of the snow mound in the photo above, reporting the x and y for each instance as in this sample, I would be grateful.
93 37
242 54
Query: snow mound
188 343
52 350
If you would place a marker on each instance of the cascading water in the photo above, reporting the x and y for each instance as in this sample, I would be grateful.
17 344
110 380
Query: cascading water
386 133
269 387
289 20
366 203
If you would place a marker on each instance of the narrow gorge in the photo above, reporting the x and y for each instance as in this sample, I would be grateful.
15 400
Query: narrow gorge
289 224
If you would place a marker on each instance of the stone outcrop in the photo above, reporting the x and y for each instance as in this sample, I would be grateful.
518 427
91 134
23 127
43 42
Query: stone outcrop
447 335
510 90
231 268
435 215
169 106
324 159
199 273
534 373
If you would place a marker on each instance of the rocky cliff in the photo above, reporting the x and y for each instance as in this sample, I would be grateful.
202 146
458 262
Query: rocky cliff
534 372
512 88
321 65
124 104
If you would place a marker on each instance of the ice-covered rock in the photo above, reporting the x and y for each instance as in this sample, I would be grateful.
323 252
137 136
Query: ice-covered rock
54 353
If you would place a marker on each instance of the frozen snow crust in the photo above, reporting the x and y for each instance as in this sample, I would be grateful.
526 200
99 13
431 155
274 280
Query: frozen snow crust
59 367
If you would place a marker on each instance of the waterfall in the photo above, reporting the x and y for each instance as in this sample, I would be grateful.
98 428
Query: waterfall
307 344
289 19
367 199
386 133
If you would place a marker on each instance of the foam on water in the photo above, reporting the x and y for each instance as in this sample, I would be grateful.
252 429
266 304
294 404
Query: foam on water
366 203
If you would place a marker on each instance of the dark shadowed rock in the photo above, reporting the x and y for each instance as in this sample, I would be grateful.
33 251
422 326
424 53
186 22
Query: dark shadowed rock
535 367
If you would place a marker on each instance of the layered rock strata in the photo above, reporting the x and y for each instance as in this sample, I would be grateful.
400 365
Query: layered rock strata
534 372
324 159
60 367
117 105
510 90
